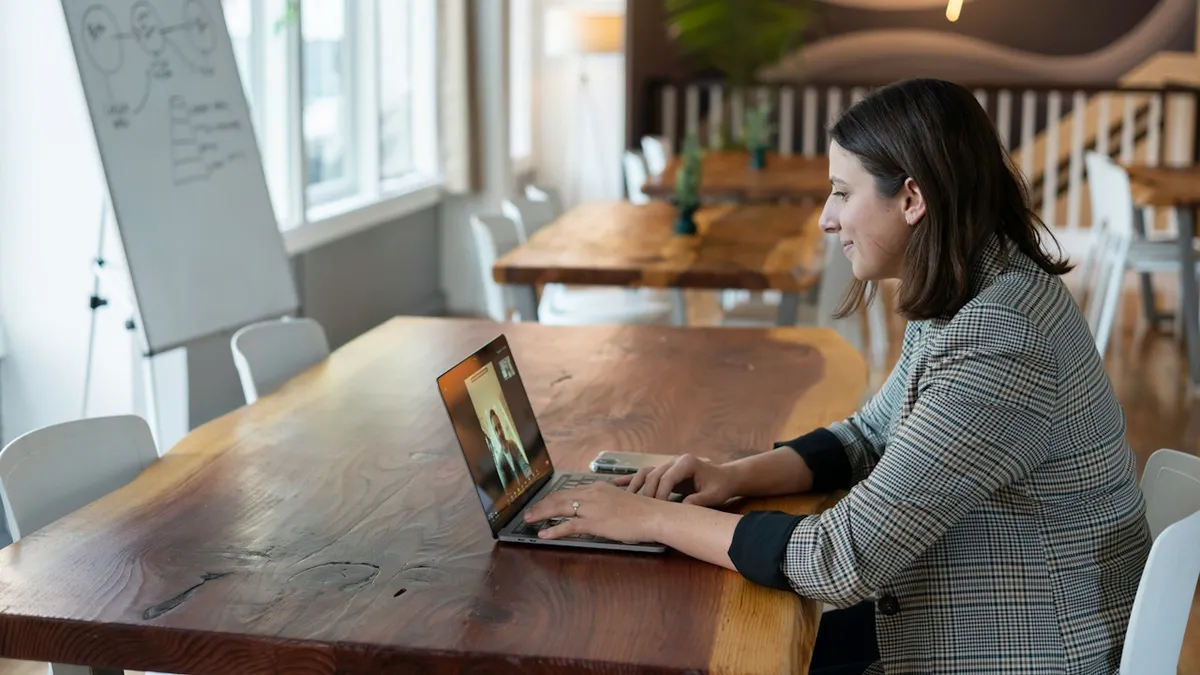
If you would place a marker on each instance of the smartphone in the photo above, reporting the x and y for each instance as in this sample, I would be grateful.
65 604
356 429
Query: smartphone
626 462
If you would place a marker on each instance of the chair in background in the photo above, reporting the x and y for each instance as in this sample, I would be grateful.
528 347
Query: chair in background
635 177
657 152
49 473
529 214
1158 621
497 235
270 353
545 193
836 276
1115 247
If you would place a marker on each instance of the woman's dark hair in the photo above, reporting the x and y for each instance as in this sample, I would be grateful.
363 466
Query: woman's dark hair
936 133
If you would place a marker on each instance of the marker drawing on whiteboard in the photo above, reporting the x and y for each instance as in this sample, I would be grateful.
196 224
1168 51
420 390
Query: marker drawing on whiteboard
200 144
104 45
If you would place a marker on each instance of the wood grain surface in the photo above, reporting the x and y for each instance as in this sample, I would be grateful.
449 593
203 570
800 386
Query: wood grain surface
727 175
754 247
1164 186
332 527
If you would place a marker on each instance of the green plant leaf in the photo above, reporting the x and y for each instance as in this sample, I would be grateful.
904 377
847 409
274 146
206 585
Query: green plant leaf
738 37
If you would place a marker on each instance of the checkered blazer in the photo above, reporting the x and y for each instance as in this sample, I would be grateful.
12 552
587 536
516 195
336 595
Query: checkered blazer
995 505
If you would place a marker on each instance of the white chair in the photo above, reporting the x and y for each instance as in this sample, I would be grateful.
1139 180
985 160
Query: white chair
545 193
1158 621
1115 246
496 235
270 353
657 152
635 177
1171 485
836 277
529 214
51 472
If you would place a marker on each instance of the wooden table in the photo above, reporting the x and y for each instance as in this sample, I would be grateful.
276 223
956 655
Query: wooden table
753 247
727 175
332 526
1178 189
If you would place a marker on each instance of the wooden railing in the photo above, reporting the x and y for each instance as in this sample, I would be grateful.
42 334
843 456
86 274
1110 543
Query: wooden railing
1046 129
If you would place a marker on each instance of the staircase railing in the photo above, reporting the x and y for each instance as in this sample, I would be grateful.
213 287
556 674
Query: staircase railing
1047 129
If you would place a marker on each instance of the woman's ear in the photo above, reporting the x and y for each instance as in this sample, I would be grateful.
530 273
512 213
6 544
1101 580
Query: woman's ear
914 202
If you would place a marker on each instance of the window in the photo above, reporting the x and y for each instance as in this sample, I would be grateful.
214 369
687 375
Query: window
520 67
328 99
343 99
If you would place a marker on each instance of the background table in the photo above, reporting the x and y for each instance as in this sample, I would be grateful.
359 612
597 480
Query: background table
727 175
332 526
1178 189
753 247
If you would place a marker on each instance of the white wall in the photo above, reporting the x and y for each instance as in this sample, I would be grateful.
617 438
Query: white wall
581 132
50 198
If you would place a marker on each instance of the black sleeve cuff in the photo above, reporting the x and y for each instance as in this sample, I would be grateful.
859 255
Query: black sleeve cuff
826 458
759 544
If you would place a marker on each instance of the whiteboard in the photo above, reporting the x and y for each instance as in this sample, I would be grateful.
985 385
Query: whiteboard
184 173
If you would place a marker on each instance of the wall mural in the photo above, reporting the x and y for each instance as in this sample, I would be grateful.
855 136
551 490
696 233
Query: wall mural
1026 41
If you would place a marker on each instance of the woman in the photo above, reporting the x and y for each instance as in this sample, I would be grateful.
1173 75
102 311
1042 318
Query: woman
993 517
507 453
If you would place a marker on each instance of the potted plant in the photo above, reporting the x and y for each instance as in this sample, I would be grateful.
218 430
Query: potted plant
687 186
757 133
738 38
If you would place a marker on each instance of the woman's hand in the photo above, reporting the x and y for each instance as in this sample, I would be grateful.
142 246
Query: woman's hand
604 511
710 484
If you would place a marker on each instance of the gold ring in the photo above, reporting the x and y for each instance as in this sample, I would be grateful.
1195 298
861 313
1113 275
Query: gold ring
575 505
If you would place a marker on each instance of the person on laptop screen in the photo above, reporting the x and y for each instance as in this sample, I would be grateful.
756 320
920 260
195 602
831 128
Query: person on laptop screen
993 521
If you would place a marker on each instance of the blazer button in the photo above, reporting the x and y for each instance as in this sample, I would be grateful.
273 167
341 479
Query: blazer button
888 605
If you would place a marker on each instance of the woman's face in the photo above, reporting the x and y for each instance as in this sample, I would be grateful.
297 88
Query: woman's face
874 230
497 427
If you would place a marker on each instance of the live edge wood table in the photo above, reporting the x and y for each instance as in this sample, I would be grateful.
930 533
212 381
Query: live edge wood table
332 527
752 247
728 175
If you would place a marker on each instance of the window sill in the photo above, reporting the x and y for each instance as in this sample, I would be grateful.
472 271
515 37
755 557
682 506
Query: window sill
329 222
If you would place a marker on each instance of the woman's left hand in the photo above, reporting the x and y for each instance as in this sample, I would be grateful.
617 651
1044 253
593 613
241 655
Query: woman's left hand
604 511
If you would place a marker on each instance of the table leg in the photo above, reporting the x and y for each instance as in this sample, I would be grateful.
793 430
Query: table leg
1149 309
1191 295
789 306
678 307
525 298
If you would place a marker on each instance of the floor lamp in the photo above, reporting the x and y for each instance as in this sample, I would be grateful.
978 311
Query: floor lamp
579 34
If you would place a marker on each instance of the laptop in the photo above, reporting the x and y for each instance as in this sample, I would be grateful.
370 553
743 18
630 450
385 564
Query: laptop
505 452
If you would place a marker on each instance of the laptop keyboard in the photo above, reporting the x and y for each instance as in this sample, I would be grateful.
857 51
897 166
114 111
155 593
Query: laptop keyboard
566 482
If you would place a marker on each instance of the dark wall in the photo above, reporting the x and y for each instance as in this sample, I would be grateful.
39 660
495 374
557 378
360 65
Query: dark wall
1009 41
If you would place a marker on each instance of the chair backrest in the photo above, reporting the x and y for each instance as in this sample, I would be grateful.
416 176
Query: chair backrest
545 193
1112 204
529 215
51 472
270 353
1159 618
657 151
1171 486
635 177
494 237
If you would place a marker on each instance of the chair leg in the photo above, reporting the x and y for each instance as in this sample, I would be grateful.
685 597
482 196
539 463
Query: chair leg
1145 280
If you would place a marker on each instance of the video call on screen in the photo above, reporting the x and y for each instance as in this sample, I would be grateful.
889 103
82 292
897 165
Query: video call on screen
496 427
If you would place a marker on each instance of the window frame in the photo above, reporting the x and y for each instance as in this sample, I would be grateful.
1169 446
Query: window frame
311 216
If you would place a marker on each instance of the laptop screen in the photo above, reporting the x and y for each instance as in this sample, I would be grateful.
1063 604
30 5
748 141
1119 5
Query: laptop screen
494 422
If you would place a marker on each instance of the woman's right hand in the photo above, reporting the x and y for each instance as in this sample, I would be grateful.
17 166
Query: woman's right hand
713 484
